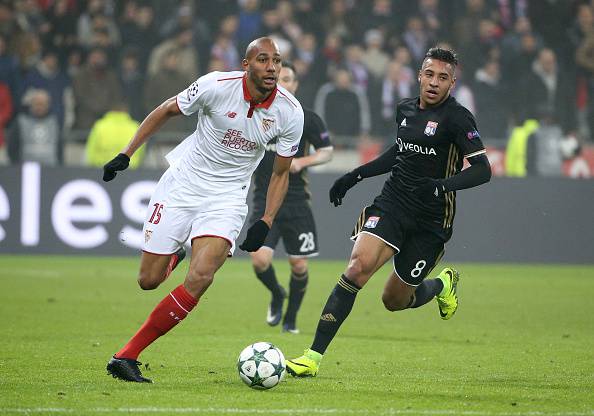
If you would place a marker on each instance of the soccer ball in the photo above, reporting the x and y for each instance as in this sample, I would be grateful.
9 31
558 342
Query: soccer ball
261 365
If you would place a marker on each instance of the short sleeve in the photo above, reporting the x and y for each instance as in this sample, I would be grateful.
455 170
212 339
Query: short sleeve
287 143
197 94
466 135
315 131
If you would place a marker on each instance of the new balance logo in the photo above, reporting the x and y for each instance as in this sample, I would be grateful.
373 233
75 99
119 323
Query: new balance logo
328 317
403 124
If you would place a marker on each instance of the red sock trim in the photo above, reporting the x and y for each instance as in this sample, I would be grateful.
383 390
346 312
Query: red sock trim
166 315
183 298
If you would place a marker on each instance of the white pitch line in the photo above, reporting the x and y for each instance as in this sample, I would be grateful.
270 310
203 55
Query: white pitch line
201 410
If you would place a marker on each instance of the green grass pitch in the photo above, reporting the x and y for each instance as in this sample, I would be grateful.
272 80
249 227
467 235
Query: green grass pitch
521 343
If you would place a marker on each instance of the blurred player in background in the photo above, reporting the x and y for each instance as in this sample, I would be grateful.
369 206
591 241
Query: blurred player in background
411 220
202 196
294 222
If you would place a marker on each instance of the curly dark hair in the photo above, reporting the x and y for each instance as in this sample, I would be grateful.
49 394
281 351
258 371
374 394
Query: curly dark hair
441 54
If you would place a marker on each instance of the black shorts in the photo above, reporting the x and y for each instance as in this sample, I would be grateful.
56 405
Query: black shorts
417 250
295 225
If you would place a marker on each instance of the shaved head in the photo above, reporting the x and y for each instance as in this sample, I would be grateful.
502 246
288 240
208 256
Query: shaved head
262 64
257 45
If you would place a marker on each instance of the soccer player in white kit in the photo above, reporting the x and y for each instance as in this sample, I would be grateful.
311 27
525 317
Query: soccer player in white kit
203 194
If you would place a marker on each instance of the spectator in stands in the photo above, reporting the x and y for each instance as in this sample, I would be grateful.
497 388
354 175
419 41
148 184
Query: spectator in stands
383 97
6 110
27 47
48 76
547 147
182 42
138 31
375 59
188 15
331 55
463 92
224 50
95 87
489 93
416 39
551 19
272 26
95 17
250 22
132 81
353 61
35 134
345 109
110 134
585 62
285 11
551 89
10 73
433 17
512 41
159 86
61 33
29 16
8 23
402 55
338 20
383 17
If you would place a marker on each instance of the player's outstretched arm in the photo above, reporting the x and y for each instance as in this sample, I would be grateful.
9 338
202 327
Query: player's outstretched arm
382 164
148 127
476 174
319 157
277 189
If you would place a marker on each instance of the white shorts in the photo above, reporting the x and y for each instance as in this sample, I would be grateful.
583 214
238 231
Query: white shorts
177 213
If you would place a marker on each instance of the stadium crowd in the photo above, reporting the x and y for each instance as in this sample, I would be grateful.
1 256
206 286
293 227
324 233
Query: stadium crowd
75 70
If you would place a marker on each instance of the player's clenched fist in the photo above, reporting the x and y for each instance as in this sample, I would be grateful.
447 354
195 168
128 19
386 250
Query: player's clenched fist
120 162
342 185
256 235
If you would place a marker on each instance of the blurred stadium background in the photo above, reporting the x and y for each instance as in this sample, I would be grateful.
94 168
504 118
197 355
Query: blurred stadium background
72 70
77 76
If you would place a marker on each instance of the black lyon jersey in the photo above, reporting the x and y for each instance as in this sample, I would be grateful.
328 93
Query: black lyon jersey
430 143
314 133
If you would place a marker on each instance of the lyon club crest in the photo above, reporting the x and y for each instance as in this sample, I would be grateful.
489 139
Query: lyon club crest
430 128
371 222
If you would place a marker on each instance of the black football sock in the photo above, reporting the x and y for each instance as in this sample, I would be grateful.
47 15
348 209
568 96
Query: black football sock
425 292
268 278
338 306
297 286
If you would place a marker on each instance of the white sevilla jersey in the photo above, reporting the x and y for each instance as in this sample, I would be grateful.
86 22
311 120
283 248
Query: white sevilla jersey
231 133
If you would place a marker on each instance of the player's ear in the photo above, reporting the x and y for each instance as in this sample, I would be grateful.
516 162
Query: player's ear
244 64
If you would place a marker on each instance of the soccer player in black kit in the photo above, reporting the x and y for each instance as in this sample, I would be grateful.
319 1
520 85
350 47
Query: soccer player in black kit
295 221
411 220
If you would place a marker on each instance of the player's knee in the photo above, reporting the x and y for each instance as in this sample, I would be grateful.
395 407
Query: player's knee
146 281
198 281
393 304
298 265
261 260
260 265
358 268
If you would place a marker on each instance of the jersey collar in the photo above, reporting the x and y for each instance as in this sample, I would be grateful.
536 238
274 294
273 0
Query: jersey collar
247 96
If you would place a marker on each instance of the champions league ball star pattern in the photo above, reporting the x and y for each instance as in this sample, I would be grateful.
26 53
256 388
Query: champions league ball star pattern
261 365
